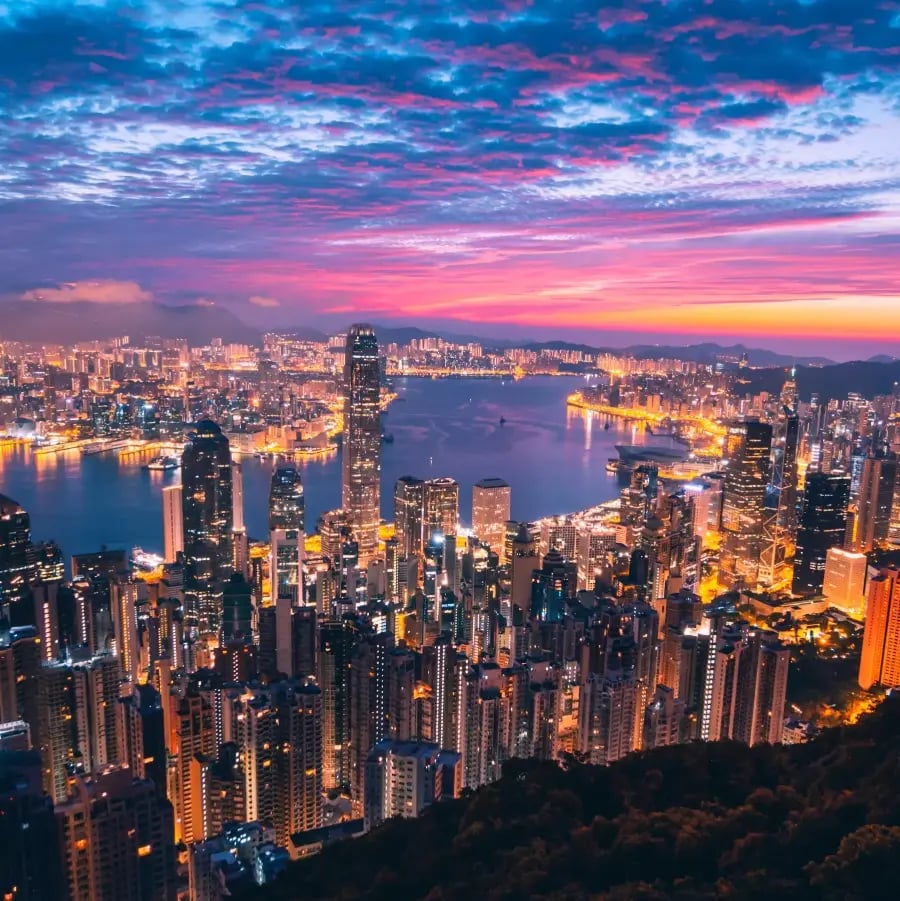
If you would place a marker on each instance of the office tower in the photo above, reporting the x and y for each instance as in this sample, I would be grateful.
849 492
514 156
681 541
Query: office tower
409 516
490 514
286 566
193 732
240 548
31 860
823 523
237 608
173 522
53 731
336 642
405 777
784 470
334 528
845 581
117 835
748 447
15 538
876 498
523 563
286 501
96 694
361 463
441 507
208 519
369 705
880 660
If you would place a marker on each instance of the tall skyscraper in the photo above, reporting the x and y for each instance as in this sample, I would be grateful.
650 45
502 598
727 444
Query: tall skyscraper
208 518
747 477
823 523
409 516
286 501
361 463
880 660
490 513
173 531
286 536
876 498
441 507
15 538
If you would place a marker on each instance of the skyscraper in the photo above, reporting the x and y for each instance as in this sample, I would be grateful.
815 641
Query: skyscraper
845 581
173 526
361 463
286 503
876 498
490 513
823 523
747 477
207 509
15 537
409 516
880 660
441 507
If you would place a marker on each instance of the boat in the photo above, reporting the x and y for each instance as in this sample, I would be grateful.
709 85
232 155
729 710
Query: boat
502 421
163 464
612 465
605 426
652 453
387 438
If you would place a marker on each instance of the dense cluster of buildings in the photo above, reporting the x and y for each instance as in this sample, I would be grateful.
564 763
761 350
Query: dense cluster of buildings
187 729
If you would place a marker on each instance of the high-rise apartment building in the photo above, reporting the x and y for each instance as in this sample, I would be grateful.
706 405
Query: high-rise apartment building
823 524
880 660
118 839
490 513
173 522
361 463
208 518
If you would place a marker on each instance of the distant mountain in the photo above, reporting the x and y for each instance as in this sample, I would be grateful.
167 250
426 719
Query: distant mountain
835 381
51 322
882 358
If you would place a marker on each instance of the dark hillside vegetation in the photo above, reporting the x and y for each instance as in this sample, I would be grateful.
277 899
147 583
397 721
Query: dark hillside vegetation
814 821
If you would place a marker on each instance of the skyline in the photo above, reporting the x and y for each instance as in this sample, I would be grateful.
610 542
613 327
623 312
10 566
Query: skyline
677 171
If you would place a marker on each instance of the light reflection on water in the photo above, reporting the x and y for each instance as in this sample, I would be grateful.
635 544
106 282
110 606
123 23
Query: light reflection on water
553 456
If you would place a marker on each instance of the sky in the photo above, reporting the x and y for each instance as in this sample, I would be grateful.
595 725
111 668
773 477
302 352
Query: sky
606 172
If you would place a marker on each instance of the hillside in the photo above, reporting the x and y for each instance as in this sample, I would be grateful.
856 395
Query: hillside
866 378
815 821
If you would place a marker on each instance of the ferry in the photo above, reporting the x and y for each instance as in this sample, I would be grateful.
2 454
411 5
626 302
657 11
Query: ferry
163 464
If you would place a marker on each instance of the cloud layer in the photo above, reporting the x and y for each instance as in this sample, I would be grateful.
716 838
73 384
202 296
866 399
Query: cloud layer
703 166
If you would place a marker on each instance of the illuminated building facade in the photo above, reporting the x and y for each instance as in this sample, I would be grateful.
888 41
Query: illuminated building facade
490 513
823 525
361 451
880 660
